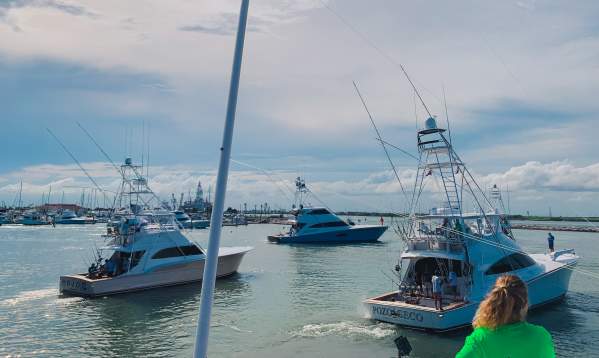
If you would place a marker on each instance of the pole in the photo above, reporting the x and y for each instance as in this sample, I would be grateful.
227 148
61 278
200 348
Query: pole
216 220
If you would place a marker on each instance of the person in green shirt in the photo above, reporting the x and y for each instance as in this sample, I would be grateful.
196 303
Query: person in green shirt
500 329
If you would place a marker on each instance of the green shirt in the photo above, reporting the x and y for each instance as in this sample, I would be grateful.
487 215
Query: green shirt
514 340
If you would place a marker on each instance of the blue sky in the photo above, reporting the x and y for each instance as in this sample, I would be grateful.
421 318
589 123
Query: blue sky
520 78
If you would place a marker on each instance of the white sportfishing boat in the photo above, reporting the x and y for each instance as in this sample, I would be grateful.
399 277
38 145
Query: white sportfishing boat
319 225
146 249
69 217
475 247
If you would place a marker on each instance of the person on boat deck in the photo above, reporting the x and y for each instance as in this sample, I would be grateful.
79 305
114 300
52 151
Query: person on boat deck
500 328
427 280
125 264
110 267
452 280
419 281
382 221
550 240
437 282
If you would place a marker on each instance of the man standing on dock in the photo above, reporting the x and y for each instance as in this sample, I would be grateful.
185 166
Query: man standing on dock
550 240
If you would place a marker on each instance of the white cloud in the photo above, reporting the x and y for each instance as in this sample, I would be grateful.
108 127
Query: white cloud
533 185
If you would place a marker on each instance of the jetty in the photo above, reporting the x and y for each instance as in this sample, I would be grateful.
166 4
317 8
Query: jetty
553 227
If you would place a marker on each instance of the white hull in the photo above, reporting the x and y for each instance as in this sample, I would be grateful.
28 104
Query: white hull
185 272
545 288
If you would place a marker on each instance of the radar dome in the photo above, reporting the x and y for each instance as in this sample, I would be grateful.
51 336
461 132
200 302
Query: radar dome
430 123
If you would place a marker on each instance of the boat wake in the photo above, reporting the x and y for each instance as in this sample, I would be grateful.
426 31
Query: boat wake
26 296
347 328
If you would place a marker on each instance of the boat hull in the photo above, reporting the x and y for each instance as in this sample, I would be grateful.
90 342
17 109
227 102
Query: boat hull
80 285
34 223
75 221
200 224
350 235
548 287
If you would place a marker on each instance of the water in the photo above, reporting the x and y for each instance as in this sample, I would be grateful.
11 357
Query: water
286 301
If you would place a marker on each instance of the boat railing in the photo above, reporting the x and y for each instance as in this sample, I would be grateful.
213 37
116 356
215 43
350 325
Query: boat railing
435 242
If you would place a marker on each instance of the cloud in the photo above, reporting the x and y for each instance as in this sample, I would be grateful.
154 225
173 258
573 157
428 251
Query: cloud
556 176
520 85
531 185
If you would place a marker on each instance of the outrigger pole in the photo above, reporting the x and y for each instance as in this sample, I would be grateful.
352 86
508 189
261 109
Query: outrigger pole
216 221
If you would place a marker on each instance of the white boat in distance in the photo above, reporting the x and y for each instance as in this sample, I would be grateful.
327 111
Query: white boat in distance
68 217
33 218
318 225
146 250
476 248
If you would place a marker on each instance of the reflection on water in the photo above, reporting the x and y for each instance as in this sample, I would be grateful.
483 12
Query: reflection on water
286 301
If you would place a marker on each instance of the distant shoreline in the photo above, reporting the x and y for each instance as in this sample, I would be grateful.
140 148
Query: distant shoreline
511 217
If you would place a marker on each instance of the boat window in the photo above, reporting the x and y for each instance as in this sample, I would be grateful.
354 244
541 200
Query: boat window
135 257
177 251
509 263
191 250
329 224
319 212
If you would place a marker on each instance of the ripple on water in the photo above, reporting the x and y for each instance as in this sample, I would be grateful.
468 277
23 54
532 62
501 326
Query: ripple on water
26 296
348 329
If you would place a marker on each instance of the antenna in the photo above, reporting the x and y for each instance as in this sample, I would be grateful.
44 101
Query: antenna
447 116
148 156
143 138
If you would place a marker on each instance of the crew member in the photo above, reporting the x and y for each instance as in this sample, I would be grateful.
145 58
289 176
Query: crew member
550 240
437 290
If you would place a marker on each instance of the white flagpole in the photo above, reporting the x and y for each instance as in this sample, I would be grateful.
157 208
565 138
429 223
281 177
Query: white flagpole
216 221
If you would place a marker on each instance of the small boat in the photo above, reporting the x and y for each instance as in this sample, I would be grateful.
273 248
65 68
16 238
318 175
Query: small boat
235 220
146 250
5 218
469 249
319 225
34 218
68 217
200 223
183 219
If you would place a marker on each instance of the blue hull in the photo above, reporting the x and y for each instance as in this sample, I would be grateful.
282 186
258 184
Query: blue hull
74 222
201 224
350 235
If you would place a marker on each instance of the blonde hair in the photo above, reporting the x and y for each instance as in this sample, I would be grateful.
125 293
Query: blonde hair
506 303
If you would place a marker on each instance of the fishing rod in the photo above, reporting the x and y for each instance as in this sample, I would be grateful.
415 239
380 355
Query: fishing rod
121 173
380 139
398 148
75 160
99 147
265 172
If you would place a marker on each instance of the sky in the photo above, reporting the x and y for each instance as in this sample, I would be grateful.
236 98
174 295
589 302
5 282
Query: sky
520 80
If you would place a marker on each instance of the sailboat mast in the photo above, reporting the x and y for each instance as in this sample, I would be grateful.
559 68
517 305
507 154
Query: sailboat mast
216 220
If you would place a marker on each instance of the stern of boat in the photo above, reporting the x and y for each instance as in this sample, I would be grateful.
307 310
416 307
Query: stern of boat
386 308
77 285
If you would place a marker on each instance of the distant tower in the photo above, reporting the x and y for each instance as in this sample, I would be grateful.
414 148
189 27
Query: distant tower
199 199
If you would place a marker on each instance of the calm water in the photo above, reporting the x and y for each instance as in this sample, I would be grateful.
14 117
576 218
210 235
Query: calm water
286 301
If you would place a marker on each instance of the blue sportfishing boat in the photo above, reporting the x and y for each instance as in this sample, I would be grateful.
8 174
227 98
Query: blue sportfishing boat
468 250
319 225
